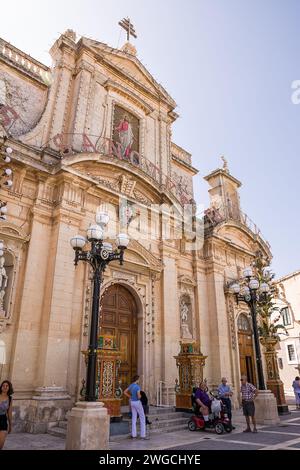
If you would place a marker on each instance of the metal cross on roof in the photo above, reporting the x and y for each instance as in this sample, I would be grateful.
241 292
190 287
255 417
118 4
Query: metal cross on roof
129 28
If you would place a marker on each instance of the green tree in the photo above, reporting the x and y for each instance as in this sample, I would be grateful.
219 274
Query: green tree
268 323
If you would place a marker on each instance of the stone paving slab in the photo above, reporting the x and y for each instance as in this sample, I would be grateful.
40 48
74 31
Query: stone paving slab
284 429
278 436
291 415
297 445
216 445
263 438
25 441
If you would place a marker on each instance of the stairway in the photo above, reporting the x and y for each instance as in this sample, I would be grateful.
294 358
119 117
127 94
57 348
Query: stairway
162 420
166 420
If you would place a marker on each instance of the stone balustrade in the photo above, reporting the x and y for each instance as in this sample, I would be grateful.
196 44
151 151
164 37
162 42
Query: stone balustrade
23 61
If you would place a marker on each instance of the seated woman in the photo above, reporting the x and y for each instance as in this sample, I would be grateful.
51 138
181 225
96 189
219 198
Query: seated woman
203 400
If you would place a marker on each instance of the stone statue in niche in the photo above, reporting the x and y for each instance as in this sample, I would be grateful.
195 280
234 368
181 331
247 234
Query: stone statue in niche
3 283
185 316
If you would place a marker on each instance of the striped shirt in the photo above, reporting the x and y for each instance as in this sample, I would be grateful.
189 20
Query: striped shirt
248 392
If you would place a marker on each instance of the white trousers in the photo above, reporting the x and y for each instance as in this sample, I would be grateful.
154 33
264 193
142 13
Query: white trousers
137 409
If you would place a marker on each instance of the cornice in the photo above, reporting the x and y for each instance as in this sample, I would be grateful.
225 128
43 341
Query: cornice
13 231
187 166
256 238
112 85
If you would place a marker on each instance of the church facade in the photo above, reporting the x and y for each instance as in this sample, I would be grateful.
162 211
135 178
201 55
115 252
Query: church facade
93 133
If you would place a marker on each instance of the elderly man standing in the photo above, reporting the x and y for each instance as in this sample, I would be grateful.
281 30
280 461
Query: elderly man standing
225 392
248 394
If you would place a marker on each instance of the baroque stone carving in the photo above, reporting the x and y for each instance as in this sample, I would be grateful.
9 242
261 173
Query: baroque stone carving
186 317
230 312
3 283
152 261
127 185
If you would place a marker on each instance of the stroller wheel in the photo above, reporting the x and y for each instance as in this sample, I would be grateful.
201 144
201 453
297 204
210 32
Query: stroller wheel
191 425
219 428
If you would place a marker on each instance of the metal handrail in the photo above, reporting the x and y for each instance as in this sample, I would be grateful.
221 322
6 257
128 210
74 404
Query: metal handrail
159 394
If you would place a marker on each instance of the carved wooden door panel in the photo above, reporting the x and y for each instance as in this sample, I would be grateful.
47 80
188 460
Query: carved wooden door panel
247 356
119 318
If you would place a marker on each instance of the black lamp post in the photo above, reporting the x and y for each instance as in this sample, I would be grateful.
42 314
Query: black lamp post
99 256
250 292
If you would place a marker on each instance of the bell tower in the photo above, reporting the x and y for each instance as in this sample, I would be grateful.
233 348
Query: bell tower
224 196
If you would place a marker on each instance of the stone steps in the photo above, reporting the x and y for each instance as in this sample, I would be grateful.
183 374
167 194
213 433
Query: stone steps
63 424
162 420
161 410
58 431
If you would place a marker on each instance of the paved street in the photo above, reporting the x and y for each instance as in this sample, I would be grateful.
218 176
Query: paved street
284 436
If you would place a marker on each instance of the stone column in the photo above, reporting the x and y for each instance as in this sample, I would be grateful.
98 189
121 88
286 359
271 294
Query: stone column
27 341
51 400
82 102
220 344
57 311
170 320
63 55
203 314
273 379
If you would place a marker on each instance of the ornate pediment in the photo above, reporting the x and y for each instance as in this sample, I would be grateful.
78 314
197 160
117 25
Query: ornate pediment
129 66
10 230
183 279
238 237
152 262
186 284
116 181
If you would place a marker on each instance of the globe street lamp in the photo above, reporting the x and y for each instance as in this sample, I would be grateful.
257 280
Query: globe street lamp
5 176
251 291
98 256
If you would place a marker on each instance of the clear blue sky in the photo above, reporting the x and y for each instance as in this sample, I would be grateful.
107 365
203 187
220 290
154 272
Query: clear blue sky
229 65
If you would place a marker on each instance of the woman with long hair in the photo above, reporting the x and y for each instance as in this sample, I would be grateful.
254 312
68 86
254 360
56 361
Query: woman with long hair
6 391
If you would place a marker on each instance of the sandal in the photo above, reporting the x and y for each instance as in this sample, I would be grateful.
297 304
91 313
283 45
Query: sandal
247 430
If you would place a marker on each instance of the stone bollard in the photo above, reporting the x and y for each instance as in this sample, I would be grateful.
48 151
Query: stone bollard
88 427
266 408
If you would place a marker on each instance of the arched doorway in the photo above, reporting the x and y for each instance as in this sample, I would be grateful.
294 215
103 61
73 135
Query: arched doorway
119 319
247 362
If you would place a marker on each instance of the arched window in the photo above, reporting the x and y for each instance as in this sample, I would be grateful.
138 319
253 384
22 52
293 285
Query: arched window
243 323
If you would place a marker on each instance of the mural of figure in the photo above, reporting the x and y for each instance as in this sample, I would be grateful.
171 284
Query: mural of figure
3 281
125 135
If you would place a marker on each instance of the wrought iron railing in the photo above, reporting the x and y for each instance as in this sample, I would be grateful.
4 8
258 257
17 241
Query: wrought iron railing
216 215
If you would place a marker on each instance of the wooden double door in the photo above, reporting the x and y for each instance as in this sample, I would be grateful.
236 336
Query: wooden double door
246 352
119 319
